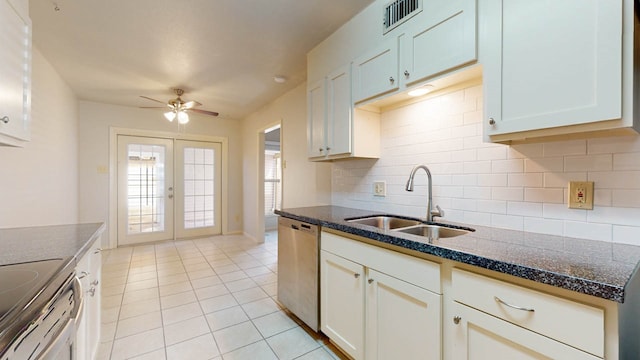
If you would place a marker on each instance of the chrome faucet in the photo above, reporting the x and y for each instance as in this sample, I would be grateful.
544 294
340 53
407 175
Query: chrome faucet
431 213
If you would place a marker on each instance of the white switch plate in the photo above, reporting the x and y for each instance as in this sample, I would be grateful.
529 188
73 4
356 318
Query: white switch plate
380 188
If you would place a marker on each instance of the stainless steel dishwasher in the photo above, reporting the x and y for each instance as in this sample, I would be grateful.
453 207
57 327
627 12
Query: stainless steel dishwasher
298 271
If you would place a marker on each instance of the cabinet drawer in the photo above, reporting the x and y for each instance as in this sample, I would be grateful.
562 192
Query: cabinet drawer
419 272
572 323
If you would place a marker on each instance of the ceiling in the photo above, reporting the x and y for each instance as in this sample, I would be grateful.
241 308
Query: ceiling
223 53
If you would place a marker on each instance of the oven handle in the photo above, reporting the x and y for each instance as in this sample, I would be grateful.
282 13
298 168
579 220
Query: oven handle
78 299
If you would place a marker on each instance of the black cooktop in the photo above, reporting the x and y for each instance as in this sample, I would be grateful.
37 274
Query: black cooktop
19 283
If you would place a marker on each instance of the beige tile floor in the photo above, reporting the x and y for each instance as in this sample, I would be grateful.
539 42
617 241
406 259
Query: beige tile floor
211 298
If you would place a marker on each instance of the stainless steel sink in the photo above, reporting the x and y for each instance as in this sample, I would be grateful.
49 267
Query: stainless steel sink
411 226
385 222
434 231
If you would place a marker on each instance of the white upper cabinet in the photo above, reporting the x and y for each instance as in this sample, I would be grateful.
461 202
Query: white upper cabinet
443 39
550 66
15 73
376 72
335 129
316 114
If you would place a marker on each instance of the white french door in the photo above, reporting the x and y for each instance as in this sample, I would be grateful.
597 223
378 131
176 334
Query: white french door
167 189
198 188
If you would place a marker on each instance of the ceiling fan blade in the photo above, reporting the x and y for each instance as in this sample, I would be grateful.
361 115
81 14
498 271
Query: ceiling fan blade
148 98
206 112
190 104
151 107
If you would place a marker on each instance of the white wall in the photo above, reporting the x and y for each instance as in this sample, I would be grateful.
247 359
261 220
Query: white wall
95 121
522 187
38 183
304 183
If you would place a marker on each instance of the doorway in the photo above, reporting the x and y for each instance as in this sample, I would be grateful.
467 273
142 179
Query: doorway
167 189
272 177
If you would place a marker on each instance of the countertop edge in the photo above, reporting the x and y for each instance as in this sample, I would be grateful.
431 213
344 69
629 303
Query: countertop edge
579 285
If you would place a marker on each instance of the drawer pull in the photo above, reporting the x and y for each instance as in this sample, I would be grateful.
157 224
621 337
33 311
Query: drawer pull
513 306
370 281
356 275
456 320
83 275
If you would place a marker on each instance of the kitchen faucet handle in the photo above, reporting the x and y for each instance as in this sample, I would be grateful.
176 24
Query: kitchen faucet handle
437 212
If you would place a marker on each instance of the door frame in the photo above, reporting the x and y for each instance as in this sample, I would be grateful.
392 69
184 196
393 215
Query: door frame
113 172
260 183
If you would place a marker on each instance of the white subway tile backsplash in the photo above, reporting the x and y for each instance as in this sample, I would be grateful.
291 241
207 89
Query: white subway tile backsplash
492 206
583 230
492 180
624 198
507 193
507 222
525 180
524 208
626 234
627 161
521 186
549 164
565 148
544 226
559 179
588 163
507 166
615 179
544 195
562 212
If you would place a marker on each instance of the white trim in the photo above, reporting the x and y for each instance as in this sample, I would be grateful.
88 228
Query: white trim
113 173
260 171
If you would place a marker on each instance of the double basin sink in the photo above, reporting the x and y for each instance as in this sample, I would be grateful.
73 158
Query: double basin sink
411 226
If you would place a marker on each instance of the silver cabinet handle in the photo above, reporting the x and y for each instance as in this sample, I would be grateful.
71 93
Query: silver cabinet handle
92 291
370 281
320 149
492 121
170 196
328 148
406 74
4 119
391 79
95 282
83 275
97 251
513 306
456 319
356 275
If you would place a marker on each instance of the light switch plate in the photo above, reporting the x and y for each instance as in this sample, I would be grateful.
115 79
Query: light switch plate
581 195
380 188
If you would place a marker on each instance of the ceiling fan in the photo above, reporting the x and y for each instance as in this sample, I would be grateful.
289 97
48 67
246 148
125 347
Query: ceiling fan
179 108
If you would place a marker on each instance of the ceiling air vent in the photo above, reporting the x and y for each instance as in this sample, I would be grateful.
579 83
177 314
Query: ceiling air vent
399 11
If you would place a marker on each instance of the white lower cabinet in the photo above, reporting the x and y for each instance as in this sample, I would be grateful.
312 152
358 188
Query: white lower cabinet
481 336
498 320
89 270
372 313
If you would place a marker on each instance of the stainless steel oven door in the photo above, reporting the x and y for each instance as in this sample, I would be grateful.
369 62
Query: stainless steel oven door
62 346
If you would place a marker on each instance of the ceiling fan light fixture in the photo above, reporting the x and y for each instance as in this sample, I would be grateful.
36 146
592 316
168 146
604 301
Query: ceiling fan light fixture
170 115
183 117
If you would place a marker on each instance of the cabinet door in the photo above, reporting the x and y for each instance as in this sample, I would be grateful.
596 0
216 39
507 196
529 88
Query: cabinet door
376 72
340 107
92 297
534 80
480 336
316 112
444 39
15 72
342 303
403 320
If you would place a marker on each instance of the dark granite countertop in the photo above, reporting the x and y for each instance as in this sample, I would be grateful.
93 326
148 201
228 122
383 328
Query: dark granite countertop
596 268
18 245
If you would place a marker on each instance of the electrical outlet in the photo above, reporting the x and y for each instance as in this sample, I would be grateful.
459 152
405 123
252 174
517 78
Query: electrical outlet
581 195
380 188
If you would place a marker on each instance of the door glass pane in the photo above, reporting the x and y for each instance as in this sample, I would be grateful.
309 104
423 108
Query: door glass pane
145 188
199 191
